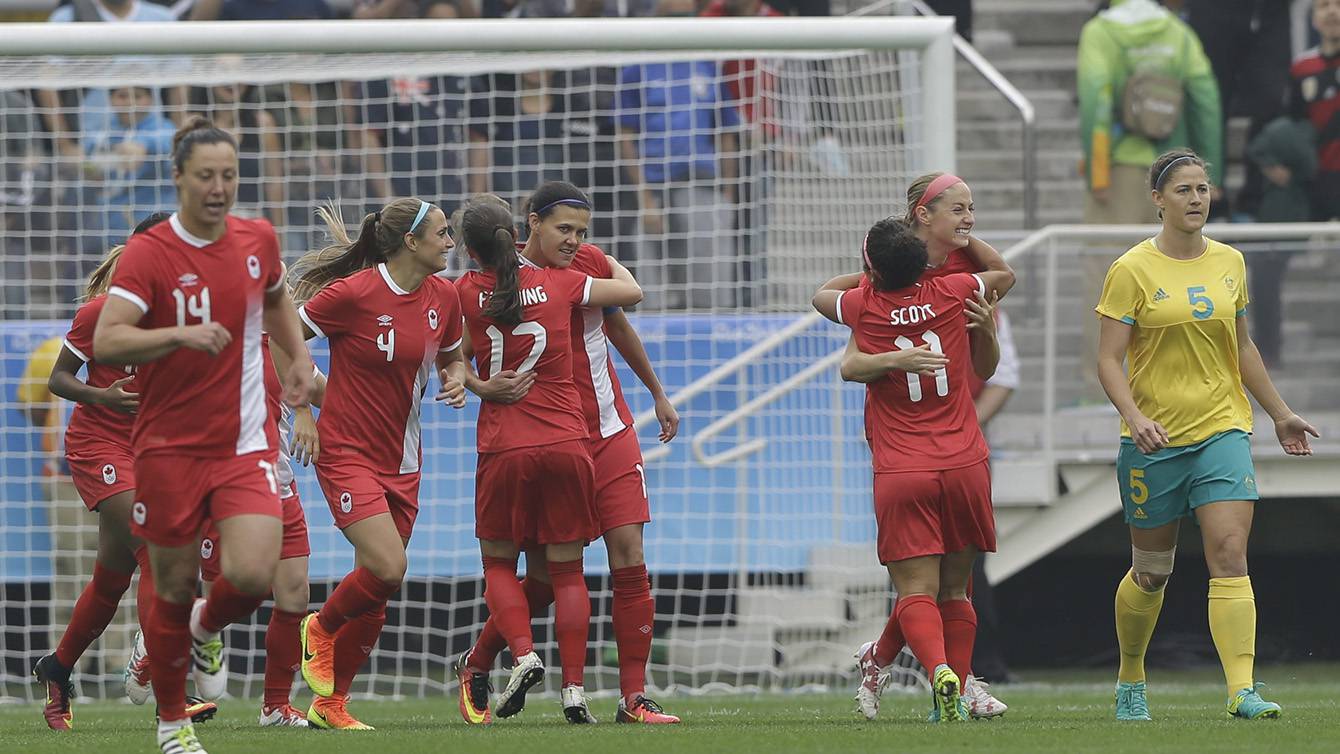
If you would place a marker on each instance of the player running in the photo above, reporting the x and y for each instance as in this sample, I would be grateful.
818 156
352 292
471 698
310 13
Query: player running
621 499
535 480
932 485
389 319
1174 307
188 302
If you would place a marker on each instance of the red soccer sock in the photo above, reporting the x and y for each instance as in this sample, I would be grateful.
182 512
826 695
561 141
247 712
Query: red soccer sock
167 635
358 593
226 604
634 617
144 593
353 644
891 642
283 655
507 604
94 609
572 618
960 627
919 617
539 595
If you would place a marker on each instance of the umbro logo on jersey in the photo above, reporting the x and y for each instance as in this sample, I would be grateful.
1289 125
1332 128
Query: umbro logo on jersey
188 280
384 320
1161 295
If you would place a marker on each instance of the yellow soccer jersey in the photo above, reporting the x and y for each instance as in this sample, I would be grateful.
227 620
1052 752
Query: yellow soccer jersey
1182 362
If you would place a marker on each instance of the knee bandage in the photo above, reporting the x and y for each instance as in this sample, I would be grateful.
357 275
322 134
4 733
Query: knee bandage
1153 563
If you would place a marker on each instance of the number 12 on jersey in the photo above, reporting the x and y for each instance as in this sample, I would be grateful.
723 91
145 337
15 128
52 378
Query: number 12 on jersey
534 329
913 379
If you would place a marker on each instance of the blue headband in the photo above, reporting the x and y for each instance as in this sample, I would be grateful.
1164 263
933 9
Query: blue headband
423 210
574 202
1166 168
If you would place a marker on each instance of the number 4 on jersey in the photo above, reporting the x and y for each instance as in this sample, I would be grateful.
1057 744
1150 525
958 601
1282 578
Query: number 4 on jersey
914 380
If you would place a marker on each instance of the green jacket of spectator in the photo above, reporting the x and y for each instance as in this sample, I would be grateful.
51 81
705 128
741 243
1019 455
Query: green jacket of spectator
1292 144
1142 33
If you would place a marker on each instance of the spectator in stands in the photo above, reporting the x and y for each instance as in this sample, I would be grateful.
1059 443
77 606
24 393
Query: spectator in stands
127 168
261 177
679 134
1285 152
1131 57
260 10
524 8
59 111
1314 96
372 9
1248 44
420 121
318 167
22 164
528 128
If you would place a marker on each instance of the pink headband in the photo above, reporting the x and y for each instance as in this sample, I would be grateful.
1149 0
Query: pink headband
865 255
937 187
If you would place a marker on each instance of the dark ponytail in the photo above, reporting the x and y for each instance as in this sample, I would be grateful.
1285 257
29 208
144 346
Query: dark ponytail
486 229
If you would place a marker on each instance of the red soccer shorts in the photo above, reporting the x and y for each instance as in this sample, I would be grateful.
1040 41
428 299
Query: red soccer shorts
355 492
536 496
100 470
621 482
176 494
934 512
295 537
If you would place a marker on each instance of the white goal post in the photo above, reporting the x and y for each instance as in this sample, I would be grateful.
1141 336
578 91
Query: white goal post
763 567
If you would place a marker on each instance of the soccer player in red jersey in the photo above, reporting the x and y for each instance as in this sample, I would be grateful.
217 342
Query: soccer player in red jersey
621 497
389 318
187 305
932 485
940 212
520 318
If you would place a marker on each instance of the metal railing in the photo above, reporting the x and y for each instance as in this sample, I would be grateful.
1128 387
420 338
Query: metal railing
997 80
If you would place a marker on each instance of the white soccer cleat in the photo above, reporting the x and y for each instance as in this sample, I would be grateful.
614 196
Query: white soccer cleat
527 672
874 680
137 672
981 704
283 716
574 706
208 666
179 739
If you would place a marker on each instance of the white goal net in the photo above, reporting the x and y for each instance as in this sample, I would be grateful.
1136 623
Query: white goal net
732 176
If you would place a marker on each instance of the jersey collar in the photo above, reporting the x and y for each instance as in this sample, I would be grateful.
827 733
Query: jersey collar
390 281
185 234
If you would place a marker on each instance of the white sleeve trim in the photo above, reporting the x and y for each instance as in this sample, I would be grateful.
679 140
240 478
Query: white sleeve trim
70 347
283 273
117 290
586 290
981 284
840 320
302 313
453 346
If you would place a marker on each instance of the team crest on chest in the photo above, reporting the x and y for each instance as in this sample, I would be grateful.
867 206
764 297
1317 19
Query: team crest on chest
254 267
432 319
1230 283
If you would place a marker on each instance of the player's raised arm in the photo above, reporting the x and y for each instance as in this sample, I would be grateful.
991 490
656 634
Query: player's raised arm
626 341
621 290
825 300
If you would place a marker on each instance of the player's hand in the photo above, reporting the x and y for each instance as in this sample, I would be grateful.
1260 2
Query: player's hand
918 360
1148 434
506 387
299 384
115 398
211 337
668 417
981 313
453 390
1292 432
306 445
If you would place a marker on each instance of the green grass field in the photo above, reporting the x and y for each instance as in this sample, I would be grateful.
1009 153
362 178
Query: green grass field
1050 713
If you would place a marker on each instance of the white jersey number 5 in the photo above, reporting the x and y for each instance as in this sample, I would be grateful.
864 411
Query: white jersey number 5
914 380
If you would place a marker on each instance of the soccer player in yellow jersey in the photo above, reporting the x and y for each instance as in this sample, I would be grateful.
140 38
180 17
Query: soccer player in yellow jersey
1174 308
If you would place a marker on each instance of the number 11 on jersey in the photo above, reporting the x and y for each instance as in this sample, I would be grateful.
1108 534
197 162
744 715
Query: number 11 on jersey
913 379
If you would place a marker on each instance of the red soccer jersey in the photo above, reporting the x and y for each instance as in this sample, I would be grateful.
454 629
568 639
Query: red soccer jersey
915 422
552 411
957 261
384 341
603 404
192 403
89 423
